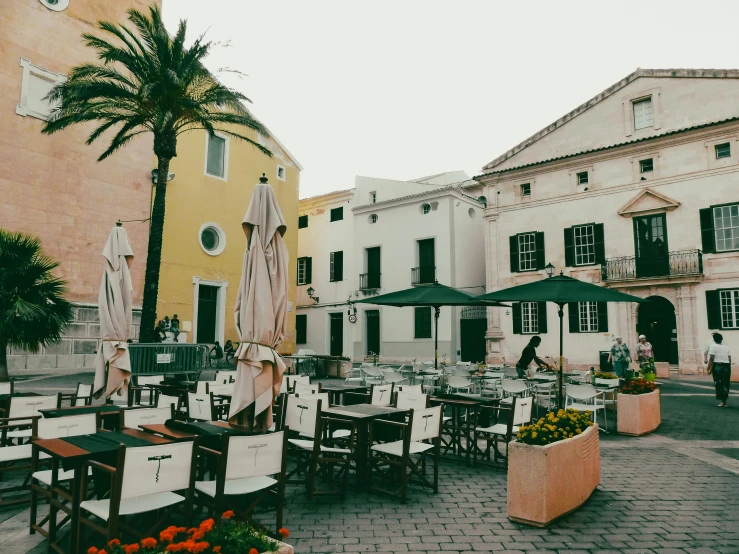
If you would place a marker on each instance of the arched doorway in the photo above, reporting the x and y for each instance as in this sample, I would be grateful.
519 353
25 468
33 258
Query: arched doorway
473 325
656 320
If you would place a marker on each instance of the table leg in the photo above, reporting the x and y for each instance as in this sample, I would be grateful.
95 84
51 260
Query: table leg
74 539
361 453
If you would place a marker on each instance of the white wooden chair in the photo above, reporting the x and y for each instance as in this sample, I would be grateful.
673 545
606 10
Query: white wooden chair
202 386
164 400
415 389
200 407
247 465
21 412
134 418
226 389
585 398
307 388
145 479
225 377
381 395
82 396
411 401
142 390
517 413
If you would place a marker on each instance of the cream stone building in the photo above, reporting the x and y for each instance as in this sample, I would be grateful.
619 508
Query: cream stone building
637 190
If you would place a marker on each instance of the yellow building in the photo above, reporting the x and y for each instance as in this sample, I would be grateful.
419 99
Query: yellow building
203 247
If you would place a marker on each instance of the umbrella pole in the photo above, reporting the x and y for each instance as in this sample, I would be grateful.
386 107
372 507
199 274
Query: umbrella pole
436 337
561 357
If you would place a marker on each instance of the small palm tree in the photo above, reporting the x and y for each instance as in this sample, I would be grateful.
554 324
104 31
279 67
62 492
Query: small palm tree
149 82
33 310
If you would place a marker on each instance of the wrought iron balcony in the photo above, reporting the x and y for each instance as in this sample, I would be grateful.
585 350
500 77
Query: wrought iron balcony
684 262
424 275
369 281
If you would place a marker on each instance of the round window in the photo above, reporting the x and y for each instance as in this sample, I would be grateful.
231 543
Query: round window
425 208
472 213
212 239
55 5
373 218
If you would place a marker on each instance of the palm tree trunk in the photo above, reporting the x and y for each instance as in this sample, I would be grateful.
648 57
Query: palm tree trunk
4 377
154 255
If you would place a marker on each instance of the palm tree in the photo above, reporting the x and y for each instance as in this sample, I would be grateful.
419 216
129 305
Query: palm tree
33 310
149 82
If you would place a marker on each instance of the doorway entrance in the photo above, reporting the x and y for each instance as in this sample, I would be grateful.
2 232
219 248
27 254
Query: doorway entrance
207 310
336 334
373 332
656 320
650 245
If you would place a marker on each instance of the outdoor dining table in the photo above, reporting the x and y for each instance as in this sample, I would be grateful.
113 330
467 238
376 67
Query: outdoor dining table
336 391
109 413
74 451
362 415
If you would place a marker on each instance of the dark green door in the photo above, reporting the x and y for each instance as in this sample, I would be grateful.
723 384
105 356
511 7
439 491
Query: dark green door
656 321
373 332
426 261
473 339
650 245
373 268
336 334
207 304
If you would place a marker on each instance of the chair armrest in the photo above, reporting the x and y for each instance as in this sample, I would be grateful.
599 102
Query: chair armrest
388 423
210 451
21 418
102 467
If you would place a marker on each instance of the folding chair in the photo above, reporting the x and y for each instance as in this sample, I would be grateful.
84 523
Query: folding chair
411 401
15 457
81 397
379 395
145 479
307 388
164 400
246 466
406 458
516 414
21 411
142 390
133 418
226 389
414 389
200 407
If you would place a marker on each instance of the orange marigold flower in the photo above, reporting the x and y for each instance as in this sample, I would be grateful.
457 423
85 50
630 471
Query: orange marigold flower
167 536
216 549
132 548
172 548
198 535
200 546
207 525
228 514
92 550
284 532
180 529
114 542
253 551
102 552
148 542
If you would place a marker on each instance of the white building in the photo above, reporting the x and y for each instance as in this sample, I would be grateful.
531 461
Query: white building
637 189
383 236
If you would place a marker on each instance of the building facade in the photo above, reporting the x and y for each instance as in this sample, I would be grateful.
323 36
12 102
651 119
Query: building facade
203 244
383 236
53 186
637 190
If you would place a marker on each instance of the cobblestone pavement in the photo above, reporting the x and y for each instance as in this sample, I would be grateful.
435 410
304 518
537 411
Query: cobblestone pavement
676 490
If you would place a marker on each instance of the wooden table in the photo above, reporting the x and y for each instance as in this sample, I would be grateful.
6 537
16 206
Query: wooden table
335 392
461 425
64 452
362 415
109 413
176 434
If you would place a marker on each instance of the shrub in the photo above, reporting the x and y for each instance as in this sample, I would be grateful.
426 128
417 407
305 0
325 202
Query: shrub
637 386
647 366
555 427
601 375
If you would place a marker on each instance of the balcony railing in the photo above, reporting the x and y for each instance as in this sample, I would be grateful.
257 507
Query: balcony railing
685 262
423 275
369 281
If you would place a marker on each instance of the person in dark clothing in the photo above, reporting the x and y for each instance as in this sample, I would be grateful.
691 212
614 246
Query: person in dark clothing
528 355
216 353
174 325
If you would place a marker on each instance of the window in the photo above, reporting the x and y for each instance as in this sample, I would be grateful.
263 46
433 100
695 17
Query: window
336 269
643 116
280 173
302 222
526 252
37 83
584 237
588 317
646 166
526 189
373 218
582 178
723 150
422 320
726 227
529 318
212 239
729 309
215 164
304 271
584 245
373 197
337 214
425 208
301 329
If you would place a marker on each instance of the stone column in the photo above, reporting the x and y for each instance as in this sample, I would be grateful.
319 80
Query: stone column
689 350
494 334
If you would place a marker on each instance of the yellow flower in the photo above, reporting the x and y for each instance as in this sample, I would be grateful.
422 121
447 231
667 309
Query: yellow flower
533 435
578 430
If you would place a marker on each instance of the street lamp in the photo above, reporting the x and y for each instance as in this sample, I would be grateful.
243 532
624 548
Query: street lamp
549 268
310 291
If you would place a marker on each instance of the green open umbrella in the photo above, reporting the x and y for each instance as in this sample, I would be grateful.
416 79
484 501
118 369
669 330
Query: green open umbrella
561 290
433 295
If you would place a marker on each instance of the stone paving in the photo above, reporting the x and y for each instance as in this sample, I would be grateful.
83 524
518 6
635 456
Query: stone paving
676 490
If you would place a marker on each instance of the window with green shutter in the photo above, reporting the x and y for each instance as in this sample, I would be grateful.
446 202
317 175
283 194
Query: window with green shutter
301 329
336 269
422 323
337 214
302 222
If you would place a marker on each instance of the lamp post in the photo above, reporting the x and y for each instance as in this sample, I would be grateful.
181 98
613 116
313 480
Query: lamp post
549 268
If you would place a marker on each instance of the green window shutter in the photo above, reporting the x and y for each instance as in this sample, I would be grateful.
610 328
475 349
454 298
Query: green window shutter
602 317
540 257
569 247
308 270
573 313
422 323
302 222
708 234
517 323
542 311
337 274
301 328
513 241
713 309
600 243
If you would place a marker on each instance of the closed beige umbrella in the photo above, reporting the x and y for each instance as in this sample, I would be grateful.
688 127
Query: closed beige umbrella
113 364
261 312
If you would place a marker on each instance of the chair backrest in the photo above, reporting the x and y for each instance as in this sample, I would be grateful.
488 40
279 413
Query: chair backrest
255 455
164 401
226 388
29 406
368 364
84 391
142 380
133 418
414 389
426 423
411 401
225 377
6 387
67 426
522 410
381 395
372 371
392 376
511 372
322 396
465 365
458 382
199 406
511 386
154 469
302 415
292 379
307 388
581 392
202 386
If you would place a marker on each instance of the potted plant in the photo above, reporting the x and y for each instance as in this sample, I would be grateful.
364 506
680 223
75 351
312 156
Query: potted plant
227 537
638 407
553 467
647 369
607 379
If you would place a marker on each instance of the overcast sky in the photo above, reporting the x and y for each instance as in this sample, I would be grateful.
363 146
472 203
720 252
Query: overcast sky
404 88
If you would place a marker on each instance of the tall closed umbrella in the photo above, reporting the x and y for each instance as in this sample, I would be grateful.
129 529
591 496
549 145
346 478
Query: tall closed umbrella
561 290
261 311
113 363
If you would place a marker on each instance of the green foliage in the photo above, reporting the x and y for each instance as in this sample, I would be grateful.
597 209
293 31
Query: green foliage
647 366
601 375
33 310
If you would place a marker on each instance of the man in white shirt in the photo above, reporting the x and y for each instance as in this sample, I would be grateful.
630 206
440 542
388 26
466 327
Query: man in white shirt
708 345
719 365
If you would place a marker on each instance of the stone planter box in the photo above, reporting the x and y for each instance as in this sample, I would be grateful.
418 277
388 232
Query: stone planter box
284 549
548 482
663 370
638 414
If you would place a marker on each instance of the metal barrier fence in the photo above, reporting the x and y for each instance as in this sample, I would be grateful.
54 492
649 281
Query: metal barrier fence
155 359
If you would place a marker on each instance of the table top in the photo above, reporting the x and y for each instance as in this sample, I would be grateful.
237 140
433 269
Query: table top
362 411
62 449
104 409
345 388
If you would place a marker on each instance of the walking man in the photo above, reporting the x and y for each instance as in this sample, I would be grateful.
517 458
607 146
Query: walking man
719 365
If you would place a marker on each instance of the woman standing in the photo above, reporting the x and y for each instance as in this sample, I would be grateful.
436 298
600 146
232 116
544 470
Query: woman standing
620 356
719 365
644 350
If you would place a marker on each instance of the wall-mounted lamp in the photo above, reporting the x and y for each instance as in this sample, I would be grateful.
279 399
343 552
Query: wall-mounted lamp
311 292
549 268
155 176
